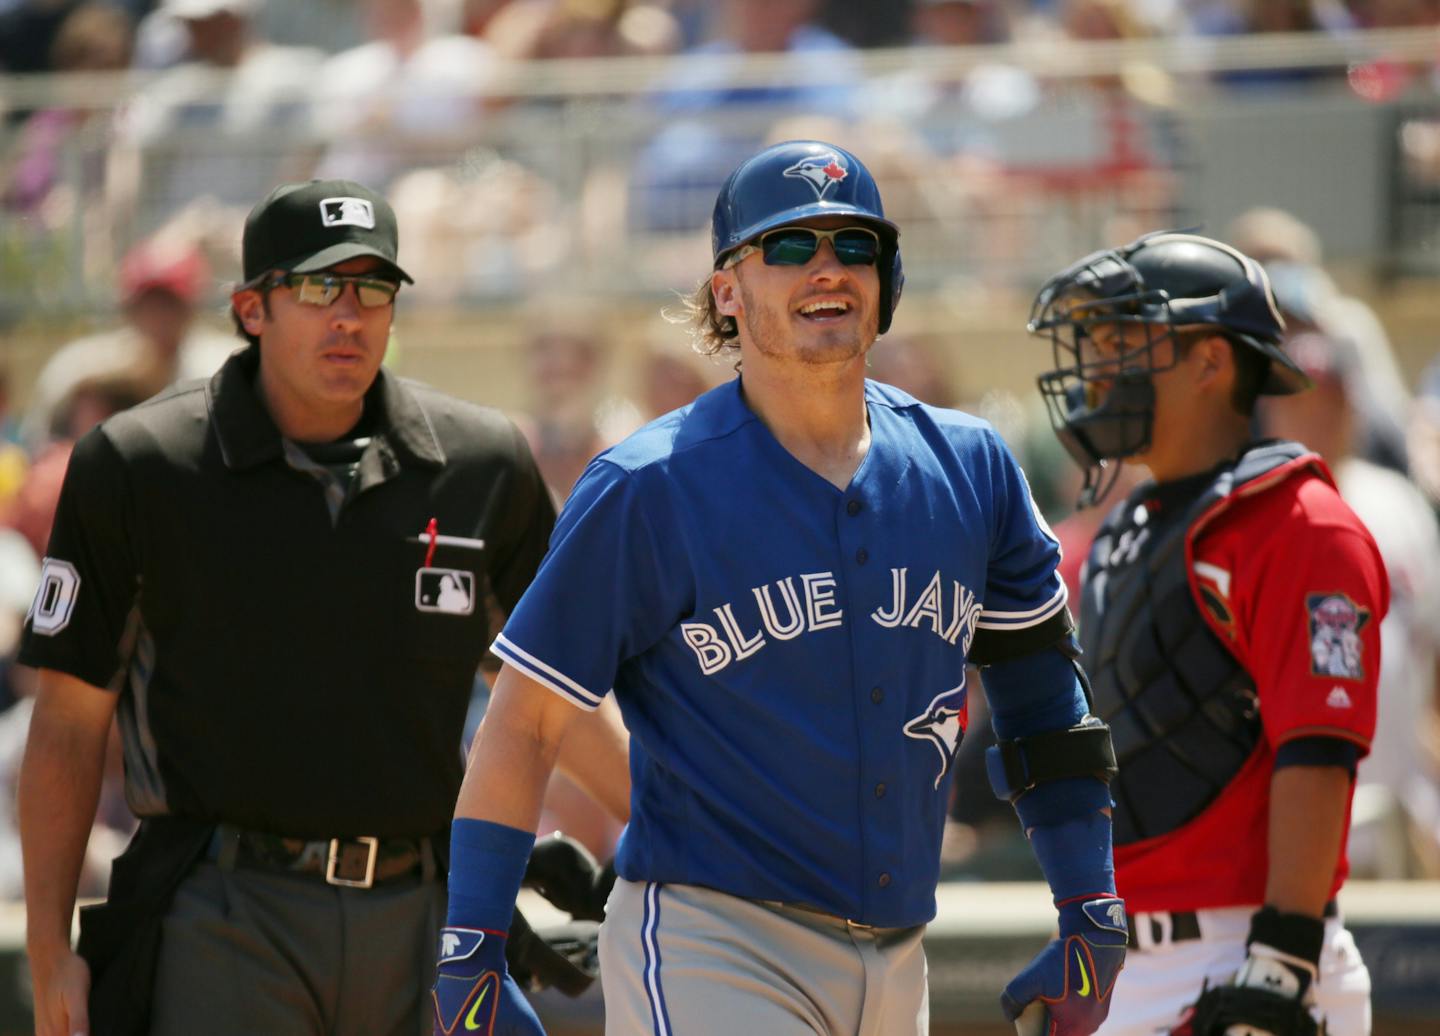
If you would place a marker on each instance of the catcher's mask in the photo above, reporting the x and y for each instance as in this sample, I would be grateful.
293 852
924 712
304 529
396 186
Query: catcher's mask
1106 314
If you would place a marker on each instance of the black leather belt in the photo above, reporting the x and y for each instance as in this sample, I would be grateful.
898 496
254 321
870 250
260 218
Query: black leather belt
1185 926
357 862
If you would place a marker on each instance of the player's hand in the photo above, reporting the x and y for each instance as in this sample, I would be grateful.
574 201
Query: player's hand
62 995
1073 976
563 871
474 992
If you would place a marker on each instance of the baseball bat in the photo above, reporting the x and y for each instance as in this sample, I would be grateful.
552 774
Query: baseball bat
1032 1020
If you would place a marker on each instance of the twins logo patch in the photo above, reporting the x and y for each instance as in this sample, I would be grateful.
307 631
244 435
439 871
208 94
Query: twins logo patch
347 212
450 591
55 598
1335 646
942 724
821 172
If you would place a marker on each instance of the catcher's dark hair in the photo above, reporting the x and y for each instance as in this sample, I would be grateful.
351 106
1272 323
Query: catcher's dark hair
1251 366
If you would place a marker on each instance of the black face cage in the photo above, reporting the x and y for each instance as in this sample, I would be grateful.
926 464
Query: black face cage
1101 404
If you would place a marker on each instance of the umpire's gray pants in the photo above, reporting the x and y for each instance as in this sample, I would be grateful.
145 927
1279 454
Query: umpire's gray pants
245 952
678 960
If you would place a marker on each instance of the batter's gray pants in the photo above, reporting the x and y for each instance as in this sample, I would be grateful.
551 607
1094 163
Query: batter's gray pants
245 952
678 960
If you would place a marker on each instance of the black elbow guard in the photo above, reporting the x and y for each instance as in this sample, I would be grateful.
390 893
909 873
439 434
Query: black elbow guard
1084 750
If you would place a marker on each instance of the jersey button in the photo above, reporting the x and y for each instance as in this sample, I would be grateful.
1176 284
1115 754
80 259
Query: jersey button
884 881
880 790
877 695
861 556
853 508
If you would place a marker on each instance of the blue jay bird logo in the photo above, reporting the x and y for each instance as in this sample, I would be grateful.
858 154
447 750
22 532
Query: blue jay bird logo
821 172
942 724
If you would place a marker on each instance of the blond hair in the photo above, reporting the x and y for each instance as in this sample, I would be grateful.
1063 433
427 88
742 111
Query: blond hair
711 332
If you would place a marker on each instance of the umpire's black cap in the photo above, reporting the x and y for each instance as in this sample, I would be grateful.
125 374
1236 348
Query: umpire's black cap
305 227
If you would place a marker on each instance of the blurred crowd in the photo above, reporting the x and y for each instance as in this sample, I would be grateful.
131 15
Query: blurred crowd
405 95
420 99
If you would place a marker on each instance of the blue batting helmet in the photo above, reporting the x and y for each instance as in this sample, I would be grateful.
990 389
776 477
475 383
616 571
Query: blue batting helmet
800 180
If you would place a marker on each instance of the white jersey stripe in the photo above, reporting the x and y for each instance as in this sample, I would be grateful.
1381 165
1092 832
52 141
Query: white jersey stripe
544 674
996 620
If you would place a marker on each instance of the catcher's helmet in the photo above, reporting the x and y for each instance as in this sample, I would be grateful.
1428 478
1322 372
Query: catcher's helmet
1102 408
800 180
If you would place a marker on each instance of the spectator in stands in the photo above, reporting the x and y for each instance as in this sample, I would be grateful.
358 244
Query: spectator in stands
162 285
1423 434
570 417
208 126
1259 17
1401 759
959 23
1291 253
94 37
677 174
404 99
545 29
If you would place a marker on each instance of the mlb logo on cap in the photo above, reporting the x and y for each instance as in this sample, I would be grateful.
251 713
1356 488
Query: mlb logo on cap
347 212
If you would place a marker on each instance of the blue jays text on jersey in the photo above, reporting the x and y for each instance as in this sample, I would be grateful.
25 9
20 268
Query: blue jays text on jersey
790 657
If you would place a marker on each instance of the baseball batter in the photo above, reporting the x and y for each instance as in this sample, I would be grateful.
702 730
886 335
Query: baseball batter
1230 617
781 583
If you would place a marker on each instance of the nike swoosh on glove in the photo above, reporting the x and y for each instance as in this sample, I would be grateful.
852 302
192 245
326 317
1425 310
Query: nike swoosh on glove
1074 975
473 992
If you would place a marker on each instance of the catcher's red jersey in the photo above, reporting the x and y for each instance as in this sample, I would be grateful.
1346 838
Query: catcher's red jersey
1293 583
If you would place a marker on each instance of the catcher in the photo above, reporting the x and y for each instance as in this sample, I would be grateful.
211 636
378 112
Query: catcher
1205 594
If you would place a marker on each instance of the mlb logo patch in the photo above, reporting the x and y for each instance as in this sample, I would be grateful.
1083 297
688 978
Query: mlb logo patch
449 591
347 212
1335 646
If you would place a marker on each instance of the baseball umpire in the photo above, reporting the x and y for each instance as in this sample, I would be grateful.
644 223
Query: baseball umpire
782 583
277 581
1230 619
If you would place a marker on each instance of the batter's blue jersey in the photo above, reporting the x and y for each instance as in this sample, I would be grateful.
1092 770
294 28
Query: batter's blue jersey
790 657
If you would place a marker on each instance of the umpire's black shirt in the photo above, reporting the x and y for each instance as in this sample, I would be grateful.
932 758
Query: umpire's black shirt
289 659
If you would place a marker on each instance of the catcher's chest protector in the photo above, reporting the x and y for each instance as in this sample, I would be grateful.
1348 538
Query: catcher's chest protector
1183 713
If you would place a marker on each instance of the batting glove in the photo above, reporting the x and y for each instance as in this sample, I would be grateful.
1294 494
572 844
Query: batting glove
1074 975
474 992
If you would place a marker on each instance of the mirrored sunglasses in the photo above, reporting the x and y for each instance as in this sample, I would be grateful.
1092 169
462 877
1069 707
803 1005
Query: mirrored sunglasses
796 246
322 289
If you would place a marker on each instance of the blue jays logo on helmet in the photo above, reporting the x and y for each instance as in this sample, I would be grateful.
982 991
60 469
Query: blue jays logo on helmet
942 723
821 172
801 180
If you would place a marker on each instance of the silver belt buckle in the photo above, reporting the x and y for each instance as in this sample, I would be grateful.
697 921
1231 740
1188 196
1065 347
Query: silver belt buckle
331 878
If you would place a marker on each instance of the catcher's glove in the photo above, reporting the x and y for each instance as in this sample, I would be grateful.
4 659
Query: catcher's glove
1272 992
563 956
563 871
1247 1011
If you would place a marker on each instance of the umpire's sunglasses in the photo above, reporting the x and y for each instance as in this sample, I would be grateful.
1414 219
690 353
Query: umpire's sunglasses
323 289
796 246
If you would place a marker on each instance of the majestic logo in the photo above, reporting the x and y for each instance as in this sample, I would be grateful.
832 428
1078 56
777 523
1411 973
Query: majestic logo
821 172
450 591
1107 914
347 212
1335 645
459 943
941 724
55 598
1338 699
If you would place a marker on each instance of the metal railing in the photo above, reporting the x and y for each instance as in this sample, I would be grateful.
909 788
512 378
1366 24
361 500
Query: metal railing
599 175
